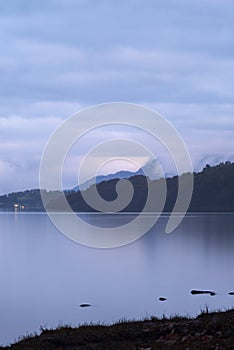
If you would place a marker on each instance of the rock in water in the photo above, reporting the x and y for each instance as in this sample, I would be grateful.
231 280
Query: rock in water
85 305
195 291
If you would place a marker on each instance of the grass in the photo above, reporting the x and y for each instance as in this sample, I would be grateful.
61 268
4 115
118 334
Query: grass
213 330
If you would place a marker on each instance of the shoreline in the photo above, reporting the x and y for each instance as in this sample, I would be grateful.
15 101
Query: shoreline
209 330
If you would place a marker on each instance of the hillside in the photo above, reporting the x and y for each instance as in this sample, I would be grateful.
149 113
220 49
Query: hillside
213 192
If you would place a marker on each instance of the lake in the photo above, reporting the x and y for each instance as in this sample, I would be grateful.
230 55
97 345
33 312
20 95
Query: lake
45 276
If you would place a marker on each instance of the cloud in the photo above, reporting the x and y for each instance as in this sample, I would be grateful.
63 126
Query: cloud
92 52
59 56
123 74
22 141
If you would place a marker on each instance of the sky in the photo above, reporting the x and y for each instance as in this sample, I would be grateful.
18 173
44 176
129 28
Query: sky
60 56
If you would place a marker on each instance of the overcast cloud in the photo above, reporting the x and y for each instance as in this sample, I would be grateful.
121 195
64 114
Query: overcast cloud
59 56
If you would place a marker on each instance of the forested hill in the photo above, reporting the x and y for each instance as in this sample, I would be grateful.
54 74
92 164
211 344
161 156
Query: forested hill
214 189
213 192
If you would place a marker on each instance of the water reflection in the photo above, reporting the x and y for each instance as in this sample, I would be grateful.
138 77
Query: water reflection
45 276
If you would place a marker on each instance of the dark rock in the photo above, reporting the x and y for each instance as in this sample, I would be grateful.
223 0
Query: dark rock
195 292
85 305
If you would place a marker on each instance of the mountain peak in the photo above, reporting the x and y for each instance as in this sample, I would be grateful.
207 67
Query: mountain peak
152 169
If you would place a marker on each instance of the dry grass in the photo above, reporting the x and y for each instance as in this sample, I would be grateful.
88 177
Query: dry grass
207 331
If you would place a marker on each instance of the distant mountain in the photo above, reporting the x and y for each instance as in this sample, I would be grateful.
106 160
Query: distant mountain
151 168
213 192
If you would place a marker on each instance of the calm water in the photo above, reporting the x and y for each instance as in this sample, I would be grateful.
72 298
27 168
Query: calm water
45 276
